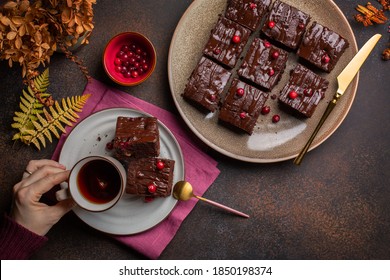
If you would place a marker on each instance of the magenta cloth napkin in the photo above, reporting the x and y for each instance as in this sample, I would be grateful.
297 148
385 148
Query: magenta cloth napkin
200 169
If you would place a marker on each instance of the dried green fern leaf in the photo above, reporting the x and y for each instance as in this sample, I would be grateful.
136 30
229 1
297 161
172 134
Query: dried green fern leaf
50 121
30 106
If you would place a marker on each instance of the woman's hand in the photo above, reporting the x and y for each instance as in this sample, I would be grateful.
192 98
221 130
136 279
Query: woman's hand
40 176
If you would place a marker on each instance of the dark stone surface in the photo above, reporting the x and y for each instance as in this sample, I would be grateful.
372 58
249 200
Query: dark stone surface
336 205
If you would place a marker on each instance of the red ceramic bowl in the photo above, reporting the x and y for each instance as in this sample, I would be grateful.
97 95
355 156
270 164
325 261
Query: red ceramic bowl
129 58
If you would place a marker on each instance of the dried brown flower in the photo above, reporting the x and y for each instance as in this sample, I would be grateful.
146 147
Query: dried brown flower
30 31
370 15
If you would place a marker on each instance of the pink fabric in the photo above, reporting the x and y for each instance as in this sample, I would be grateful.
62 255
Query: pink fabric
200 169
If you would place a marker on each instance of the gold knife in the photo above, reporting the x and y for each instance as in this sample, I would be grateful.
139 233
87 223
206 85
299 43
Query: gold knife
344 79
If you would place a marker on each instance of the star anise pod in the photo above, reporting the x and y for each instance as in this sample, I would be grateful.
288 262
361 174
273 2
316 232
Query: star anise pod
370 15
385 4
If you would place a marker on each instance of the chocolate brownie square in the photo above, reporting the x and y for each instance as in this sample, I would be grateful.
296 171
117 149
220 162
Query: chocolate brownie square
150 177
227 41
136 137
286 24
248 13
322 47
304 91
263 64
242 106
206 84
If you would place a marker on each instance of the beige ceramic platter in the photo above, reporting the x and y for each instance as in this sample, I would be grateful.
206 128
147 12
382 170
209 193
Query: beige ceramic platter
269 142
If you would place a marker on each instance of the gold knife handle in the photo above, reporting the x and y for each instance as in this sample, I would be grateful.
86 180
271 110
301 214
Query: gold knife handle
328 110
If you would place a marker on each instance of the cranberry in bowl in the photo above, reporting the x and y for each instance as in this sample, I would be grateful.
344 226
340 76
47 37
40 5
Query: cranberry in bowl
129 58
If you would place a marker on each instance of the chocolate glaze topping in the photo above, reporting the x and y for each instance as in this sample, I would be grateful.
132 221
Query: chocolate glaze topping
248 13
221 46
206 84
289 24
259 65
242 111
321 42
136 137
310 88
143 172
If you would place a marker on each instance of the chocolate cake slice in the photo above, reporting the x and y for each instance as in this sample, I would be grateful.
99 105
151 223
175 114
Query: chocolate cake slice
150 177
304 91
136 137
248 13
206 84
263 64
242 106
286 24
322 47
227 41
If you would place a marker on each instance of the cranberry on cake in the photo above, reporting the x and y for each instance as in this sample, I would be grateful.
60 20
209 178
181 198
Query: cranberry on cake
286 24
242 106
304 91
206 84
150 177
322 47
136 137
263 64
226 42
248 13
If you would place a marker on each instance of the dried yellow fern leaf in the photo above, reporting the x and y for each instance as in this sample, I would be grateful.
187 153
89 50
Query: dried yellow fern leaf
36 124
48 124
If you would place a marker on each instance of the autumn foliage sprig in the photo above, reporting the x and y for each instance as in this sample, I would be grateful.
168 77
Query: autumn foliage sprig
31 31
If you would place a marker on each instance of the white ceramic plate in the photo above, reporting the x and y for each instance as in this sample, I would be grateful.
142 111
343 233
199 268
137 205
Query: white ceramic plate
131 214
270 142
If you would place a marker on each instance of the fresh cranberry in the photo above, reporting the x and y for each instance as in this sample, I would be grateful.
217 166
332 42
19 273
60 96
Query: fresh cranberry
120 54
145 66
240 92
267 44
253 6
160 165
236 39
301 26
275 118
125 48
271 24
124 69
271 72
117 61
242 115
138 51
213 97
152 188
126 63
127 74
293 94
217 51
275 54
325 58
134 74
265 110
118 69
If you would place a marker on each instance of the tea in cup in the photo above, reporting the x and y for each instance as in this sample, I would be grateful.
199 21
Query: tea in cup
96 183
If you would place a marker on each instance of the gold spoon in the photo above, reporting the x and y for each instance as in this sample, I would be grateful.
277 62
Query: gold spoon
182 190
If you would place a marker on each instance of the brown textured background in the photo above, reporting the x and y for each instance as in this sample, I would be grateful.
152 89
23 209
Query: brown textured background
336 205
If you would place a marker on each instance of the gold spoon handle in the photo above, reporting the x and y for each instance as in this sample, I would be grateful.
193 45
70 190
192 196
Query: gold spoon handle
327 112
222 206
